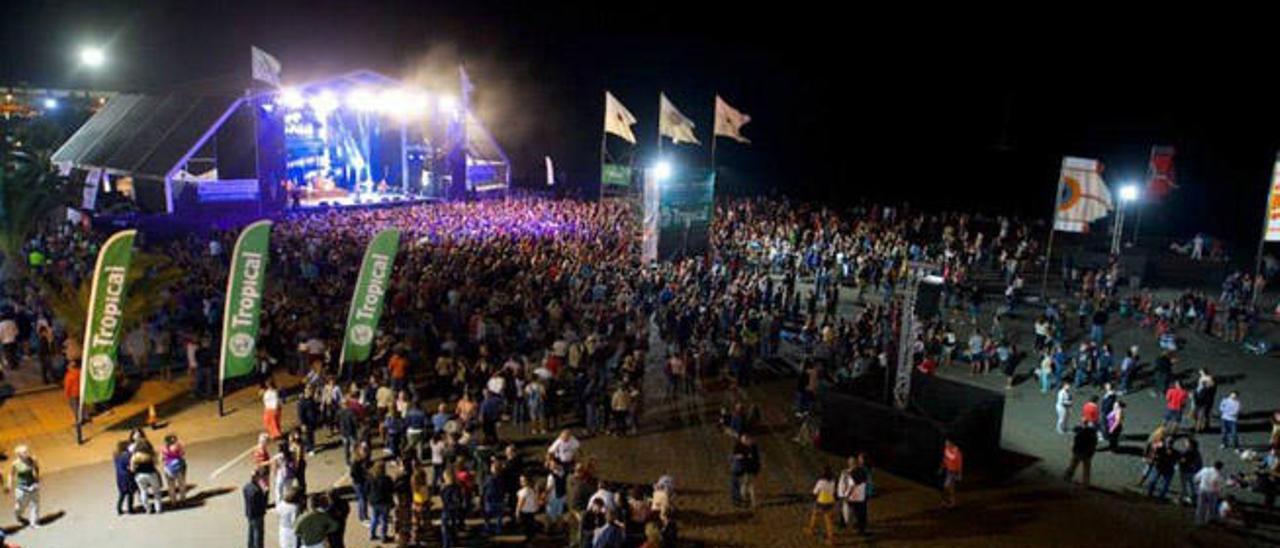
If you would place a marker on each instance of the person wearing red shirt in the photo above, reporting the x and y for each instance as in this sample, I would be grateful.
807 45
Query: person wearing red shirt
71 388
952 466
1174 399
927 366
398 369
1091 414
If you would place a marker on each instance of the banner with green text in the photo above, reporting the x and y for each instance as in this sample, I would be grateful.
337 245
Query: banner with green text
243 306
615 174
106 313
366 301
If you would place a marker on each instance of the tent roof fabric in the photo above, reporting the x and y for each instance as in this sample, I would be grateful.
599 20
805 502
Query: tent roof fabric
144 135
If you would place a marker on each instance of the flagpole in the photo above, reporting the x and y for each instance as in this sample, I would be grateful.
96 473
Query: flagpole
1048 252
659 125
1266 221
713 139
604 135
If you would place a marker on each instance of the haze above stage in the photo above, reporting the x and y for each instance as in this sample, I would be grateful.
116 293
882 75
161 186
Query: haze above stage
193 153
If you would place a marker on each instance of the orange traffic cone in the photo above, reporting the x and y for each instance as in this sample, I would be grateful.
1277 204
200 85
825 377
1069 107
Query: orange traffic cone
152 421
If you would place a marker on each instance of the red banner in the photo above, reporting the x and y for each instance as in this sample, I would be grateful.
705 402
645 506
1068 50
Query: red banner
1160 177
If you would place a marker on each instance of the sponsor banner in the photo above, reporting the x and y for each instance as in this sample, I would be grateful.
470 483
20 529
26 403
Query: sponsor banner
106 313
243 308
366 302
616 175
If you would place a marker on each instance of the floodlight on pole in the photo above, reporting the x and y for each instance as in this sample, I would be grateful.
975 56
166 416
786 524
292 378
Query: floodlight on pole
93 57
50 103
1129 193
662 170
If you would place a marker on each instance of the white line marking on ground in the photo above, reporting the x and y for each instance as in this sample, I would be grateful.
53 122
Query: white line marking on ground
232 462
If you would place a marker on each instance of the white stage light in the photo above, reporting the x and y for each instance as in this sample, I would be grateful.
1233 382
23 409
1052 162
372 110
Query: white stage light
362 99
291 98
50 103
1129 193
448 103
324 103
662 170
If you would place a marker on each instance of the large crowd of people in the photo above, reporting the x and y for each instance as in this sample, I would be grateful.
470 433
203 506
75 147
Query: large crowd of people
539 313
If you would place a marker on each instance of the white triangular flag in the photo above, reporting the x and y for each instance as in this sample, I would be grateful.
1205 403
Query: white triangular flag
617 119
729 121
672 123
266 68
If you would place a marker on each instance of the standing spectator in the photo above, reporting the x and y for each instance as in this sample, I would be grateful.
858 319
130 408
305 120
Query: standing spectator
174 457
952 468
565 450
143 466
1164 461
71 387
1083 446
1208 488
450 509
824 492
1229 411
852 489
338 511
287 512
255 506
1115 425
493 500
124 479
1189 464
1175 398
271 409
527 506
1063 406
317 524
1202 398
24 479
379 491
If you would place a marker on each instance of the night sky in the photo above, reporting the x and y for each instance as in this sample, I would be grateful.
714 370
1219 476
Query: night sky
965 108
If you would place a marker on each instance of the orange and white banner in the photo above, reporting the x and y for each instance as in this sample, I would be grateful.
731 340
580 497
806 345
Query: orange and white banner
1273 205
1083 197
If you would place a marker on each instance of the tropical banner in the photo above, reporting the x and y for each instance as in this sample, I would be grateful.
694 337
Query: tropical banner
615 175
244 300
106 313
686 204
366 302
1273 204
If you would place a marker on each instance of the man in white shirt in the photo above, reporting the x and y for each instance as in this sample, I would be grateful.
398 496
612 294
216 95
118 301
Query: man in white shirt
1208 486
565 450
9 340
1229 410
1063 406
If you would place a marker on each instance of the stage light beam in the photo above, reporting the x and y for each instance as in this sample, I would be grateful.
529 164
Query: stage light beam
324 103
448 103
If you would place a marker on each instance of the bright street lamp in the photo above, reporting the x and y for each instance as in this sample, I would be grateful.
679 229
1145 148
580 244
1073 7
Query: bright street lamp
93 57
1128 193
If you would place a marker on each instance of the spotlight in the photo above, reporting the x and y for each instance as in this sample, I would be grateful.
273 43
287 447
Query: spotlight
662 170
362 99
291 98
324 103
448 103
1128 193
93 57
50 103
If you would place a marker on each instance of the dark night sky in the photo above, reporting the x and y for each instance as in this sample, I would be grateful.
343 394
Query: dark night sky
845 102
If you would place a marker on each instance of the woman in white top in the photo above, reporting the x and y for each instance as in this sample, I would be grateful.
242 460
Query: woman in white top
527 506
287 509
271 409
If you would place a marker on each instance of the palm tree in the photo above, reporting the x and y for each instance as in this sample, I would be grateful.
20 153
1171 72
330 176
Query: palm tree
30 190
150 278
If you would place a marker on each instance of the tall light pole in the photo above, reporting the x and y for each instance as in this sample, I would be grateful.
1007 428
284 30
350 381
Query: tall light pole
1128 193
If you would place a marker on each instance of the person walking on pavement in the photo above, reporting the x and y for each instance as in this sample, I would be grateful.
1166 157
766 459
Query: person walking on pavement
145 473
1062 406
1175 398
255 506
852 490
1083 446
952 468
1208 489
271 409
1229 412
24 480
824 493
124 479
174 458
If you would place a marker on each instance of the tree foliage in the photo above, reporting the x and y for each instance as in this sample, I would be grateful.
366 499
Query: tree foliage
151 277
